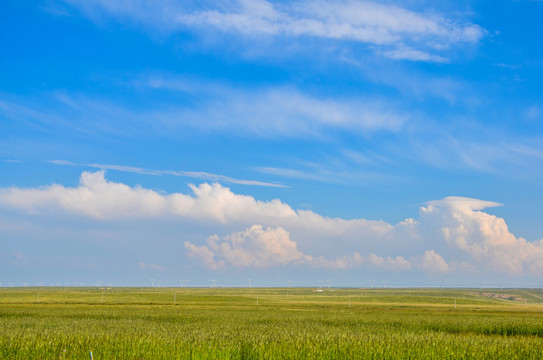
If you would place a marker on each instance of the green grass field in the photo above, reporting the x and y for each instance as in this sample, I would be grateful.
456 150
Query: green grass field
273 323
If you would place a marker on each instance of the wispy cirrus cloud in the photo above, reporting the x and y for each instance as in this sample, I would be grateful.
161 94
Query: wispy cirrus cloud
264 112
405 33
189 174
285 113
326 175
477 148
362 21
404 53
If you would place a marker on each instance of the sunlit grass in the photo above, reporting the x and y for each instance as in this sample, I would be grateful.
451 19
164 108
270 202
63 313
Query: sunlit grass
225 323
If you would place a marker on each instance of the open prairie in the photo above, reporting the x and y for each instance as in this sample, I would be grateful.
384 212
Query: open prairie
270 323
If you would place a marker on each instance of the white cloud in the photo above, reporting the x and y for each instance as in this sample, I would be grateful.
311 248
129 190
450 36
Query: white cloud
462 203
254 247
342 262
293 173
397 263
477 148
433 262
98 198
159 15
289 113
263 248
405 53
205 255
189 174
522 149
335 170
360 21
451 234
264 112
101 199
484 237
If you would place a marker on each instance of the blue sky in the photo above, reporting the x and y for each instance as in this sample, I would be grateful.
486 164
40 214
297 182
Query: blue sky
396 143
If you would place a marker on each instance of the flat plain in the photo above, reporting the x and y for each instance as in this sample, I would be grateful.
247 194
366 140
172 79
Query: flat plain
270 323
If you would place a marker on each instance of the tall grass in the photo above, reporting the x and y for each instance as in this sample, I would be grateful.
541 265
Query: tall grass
227 324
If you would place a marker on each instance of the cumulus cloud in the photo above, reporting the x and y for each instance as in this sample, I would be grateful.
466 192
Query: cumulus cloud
254 247
99 198
482 236
361 21
342 262
449 234
263 248
397 263
472 238
433 262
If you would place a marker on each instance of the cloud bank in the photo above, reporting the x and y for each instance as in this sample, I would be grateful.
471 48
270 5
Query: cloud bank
450 235
264 248
98 198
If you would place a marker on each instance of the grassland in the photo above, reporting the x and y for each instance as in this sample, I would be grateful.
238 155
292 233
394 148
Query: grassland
249 323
